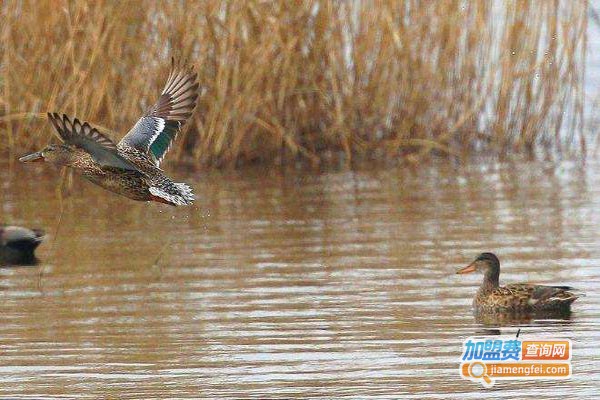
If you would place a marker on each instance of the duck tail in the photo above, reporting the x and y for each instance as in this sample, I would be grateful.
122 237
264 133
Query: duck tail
571 288
556 296
176 194
564 298
186 193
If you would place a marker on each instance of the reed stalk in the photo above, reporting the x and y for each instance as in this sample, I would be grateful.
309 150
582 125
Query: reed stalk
312 80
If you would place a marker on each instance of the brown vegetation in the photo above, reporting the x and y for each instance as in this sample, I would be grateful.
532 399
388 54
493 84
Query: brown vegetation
284 80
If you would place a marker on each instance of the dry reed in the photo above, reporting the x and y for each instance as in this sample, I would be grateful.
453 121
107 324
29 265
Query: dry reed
312 80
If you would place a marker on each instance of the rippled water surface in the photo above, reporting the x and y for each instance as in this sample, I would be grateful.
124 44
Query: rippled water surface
279 284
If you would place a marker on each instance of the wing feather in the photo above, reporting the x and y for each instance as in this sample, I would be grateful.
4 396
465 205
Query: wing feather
82 135
155 132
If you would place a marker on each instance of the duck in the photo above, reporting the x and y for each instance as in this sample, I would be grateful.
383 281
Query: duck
17 245
130 168
522 298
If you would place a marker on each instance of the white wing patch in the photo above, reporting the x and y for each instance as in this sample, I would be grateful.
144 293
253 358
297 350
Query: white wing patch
161 125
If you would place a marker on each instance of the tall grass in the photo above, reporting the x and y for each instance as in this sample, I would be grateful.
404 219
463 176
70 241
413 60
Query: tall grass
313 80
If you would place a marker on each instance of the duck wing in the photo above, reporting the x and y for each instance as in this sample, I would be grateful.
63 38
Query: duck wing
102 149
536 296
547 295
154 133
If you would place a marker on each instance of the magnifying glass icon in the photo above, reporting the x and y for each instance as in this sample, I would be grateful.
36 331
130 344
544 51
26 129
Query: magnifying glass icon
479 370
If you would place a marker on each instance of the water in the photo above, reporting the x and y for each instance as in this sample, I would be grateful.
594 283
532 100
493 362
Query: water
286 285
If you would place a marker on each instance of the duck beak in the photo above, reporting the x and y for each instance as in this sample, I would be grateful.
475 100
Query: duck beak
33 157
468 269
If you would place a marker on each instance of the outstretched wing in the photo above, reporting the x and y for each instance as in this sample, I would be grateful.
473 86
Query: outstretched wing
154 133
99 146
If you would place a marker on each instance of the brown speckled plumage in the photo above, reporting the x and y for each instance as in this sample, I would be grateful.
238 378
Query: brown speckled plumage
133 184
517 298
132 167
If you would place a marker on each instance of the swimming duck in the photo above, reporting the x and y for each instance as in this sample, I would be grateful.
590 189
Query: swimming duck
516 298
17 244
132 167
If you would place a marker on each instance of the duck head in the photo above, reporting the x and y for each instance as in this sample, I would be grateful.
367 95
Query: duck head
486 263
57 154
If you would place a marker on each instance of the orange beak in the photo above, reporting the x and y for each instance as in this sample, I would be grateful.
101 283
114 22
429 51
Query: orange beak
33 157
468 269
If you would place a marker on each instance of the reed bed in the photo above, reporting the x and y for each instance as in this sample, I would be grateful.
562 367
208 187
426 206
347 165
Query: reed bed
319 81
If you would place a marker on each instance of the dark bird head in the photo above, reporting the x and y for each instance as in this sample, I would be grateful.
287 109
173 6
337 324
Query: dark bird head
489 265
485 262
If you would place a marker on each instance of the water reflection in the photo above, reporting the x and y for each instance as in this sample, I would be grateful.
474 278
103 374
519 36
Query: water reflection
285 284
518 319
